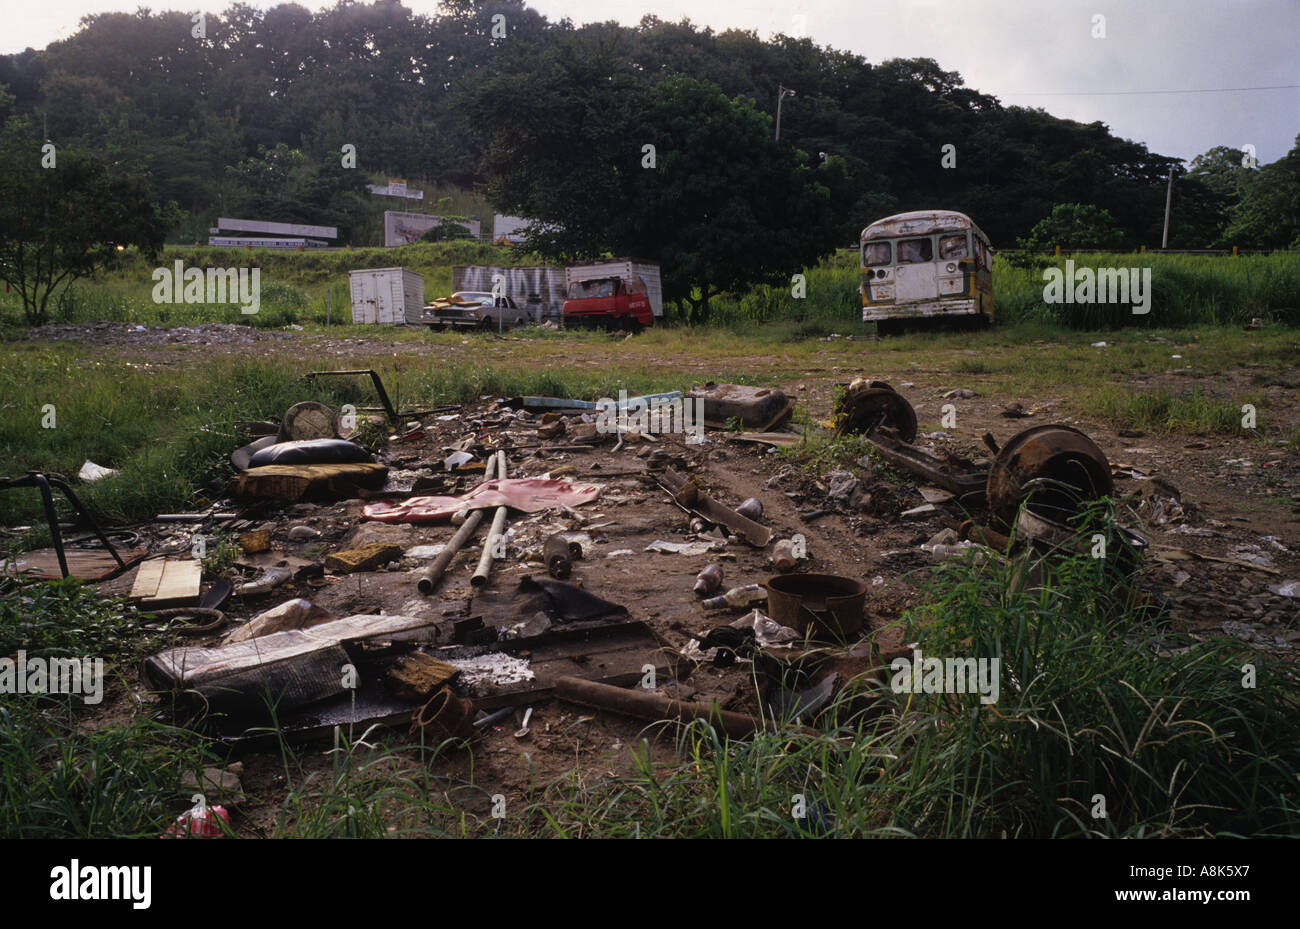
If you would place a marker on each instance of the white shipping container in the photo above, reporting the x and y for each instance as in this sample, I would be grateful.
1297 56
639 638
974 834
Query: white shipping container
625 268
386 295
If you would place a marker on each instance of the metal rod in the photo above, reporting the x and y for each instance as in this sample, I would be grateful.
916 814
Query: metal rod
498 529
643 704
433 574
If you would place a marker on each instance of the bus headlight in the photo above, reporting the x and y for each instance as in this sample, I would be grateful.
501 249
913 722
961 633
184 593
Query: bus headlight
951 267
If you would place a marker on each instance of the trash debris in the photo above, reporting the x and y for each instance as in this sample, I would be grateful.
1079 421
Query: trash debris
763 631
737 597
366 558
257 541
708 581
166 582
284 669
684 548
91 472
1053 470
784 557
528 495
758 408
445 717
416 676
750 508
301 533
267 581
646 705
309 481
201 822
960 393
292 614
713 511
310 451
823 605
869 406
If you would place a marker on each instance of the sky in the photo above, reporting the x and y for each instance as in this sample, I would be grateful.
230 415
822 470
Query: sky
1040 53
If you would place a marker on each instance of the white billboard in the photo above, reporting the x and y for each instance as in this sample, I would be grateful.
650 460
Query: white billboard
405 228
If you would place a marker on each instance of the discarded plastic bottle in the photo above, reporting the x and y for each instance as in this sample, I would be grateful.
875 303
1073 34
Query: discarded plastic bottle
737 597
751 508
709 580
699 524
783 557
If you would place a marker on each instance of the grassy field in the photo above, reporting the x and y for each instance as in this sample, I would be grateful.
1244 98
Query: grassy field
1176 746
312 286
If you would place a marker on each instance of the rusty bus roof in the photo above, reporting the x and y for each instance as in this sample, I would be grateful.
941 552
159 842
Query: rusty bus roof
920 222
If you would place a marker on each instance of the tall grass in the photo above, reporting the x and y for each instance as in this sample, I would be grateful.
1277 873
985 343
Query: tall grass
1106 724
1187 290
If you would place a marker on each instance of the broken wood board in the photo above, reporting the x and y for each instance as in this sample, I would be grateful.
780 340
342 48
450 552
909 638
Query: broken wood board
83 564
417 675
298 482
778 439
289 668
165 582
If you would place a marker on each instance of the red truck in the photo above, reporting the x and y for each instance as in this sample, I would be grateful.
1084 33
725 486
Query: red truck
620 294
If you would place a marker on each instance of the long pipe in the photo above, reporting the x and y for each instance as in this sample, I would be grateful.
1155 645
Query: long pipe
432 574
494 534
642 704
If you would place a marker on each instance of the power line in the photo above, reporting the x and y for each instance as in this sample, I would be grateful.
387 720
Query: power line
1128 93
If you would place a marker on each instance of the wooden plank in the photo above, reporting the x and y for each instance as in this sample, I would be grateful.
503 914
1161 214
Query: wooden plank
84 564
147 579
168 582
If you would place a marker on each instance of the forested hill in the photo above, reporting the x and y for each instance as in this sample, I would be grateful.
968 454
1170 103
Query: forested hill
250 116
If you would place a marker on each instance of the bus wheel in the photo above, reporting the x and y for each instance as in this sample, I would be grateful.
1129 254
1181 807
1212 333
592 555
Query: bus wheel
887 327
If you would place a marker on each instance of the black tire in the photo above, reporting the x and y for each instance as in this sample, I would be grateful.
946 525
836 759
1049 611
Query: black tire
486 323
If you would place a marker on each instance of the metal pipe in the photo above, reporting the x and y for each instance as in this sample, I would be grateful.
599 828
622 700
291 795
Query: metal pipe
433 574
484 569
642 704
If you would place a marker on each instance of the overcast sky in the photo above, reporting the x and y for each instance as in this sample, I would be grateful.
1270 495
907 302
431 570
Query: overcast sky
1027 52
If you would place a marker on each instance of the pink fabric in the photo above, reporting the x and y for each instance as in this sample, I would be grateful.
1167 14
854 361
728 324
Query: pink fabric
528 494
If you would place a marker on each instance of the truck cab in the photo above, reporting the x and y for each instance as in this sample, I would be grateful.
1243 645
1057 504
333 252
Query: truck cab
611 301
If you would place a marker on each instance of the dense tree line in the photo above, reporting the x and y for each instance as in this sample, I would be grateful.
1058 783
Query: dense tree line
247 112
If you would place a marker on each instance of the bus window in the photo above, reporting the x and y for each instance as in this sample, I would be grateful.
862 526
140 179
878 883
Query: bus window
875 253
913 251
981 258
952 247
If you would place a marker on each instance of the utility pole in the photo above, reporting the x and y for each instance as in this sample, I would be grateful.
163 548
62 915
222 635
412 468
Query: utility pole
781 93
1169 197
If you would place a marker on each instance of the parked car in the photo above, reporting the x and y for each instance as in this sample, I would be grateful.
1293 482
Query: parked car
480 309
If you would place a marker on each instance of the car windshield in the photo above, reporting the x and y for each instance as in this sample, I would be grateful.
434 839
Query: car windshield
581 290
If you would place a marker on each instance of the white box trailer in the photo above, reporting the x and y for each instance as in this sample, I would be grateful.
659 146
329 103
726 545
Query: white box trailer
386 295
626 268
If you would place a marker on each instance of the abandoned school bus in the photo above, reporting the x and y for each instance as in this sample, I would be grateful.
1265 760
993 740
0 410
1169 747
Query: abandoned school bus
925 264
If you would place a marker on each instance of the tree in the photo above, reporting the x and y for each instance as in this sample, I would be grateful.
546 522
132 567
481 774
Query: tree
1268 214
725 205
1075 225
65 222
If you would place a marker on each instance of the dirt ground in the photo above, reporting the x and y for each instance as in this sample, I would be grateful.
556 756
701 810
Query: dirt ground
1224 498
